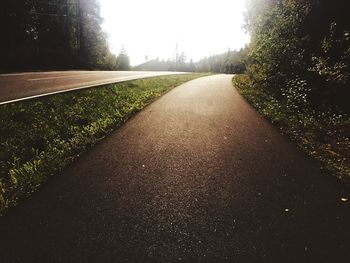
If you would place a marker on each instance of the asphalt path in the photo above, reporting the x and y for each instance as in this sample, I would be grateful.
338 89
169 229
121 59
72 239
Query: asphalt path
20 86
197 176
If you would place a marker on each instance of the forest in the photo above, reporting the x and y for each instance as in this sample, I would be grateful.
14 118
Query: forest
55 34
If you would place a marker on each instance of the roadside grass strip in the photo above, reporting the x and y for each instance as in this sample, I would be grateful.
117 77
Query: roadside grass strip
325 136
40 137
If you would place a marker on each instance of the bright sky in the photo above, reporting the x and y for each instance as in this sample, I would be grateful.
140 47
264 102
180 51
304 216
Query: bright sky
154 27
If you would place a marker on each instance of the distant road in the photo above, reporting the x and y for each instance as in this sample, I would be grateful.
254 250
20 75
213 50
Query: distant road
21 86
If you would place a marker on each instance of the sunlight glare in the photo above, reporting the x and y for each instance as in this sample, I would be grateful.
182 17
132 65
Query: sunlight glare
154 28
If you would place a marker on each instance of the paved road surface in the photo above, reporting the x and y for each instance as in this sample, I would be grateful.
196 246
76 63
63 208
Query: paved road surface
197 176
19 86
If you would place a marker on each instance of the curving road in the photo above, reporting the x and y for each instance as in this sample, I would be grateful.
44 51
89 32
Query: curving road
21 86
197 176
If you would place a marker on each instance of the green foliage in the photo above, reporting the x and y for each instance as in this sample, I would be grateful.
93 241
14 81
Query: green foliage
232 62
299 58
40 137
333 62
179 64
296 93
323 135
298 69
264 102
123 62
276 53
55 34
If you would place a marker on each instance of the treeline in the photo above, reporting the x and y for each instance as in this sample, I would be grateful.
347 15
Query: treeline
229 62
300 52
179 63
166 65
53 34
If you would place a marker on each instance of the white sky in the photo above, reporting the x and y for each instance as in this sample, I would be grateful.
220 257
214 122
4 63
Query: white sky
154 27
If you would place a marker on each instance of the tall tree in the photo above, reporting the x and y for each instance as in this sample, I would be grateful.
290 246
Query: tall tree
123 61
50 34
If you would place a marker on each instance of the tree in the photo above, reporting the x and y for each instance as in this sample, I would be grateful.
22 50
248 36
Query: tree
299 51
55 34
231 62
123 61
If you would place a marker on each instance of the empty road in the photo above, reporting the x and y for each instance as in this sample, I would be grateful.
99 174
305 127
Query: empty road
197 176
19 86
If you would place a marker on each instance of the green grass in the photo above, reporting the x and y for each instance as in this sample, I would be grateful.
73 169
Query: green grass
323 135
40 137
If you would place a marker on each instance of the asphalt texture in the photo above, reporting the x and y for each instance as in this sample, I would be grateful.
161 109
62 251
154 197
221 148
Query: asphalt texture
20 86
197 176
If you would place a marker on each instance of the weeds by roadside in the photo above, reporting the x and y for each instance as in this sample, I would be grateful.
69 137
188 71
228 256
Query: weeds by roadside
323 135
40 137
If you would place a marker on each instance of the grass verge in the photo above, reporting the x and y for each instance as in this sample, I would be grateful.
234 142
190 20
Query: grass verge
40 137
323 135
